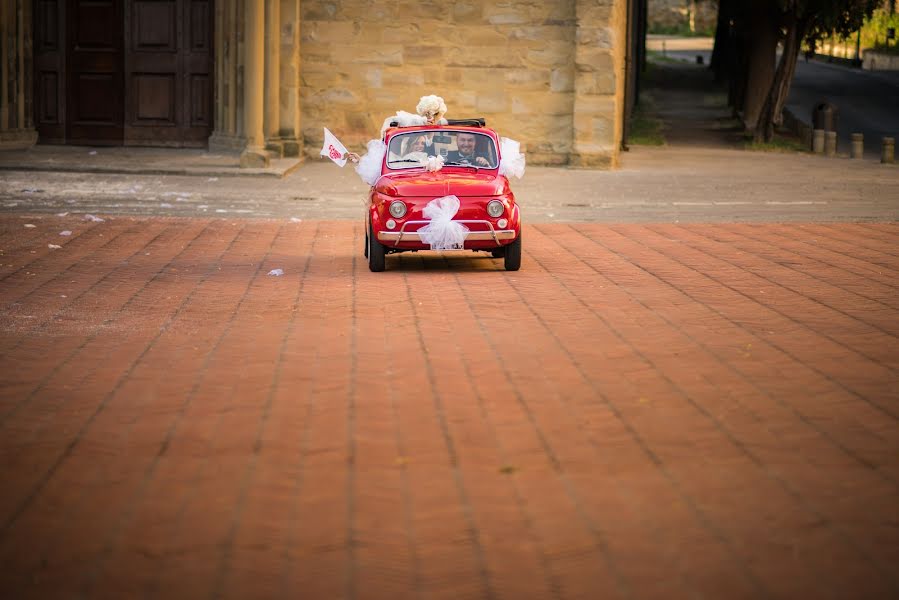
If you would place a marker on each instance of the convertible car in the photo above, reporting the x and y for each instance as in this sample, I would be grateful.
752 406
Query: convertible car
467 158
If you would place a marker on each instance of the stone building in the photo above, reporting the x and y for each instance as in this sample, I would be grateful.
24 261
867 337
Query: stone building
263 77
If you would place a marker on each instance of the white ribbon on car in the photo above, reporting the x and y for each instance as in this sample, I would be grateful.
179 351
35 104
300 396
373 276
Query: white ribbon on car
512 162
442 233
434 163
369 167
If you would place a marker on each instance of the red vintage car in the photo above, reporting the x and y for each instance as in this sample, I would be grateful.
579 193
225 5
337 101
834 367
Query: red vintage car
470 154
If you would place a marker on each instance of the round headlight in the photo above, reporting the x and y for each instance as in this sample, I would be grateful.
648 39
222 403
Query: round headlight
502 223
495 208
397 209
391 224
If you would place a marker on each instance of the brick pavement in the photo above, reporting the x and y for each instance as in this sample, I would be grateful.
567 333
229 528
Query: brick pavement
651 410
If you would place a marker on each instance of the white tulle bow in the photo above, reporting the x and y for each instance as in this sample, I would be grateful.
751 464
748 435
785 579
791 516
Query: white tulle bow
442 233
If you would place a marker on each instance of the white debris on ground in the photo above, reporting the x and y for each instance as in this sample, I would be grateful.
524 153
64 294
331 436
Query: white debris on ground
93 219
65 233
54 246
295 220
276 272
30 225
62 214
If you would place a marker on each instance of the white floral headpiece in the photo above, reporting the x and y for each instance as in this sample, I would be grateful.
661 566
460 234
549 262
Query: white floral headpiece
431 106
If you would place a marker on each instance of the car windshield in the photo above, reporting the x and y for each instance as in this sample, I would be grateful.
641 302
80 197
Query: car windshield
411 150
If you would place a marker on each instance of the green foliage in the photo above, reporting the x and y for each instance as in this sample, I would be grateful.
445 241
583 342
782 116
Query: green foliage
778 144
874 31
645 128
827 17
682 29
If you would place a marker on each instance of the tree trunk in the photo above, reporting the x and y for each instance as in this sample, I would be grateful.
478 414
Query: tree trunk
761 50
780 88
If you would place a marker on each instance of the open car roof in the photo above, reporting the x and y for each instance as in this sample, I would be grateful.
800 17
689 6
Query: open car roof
470 125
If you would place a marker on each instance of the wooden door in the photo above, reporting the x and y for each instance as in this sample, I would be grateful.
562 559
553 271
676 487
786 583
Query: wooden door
168 66
49 70
94 99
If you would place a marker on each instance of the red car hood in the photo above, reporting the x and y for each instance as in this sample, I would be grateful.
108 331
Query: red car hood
418 184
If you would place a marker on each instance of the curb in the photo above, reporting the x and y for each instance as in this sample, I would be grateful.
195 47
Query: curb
279 172
801 128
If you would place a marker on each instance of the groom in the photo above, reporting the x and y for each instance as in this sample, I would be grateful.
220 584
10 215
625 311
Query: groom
466 155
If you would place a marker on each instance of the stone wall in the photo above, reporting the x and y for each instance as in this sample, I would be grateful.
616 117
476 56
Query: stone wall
527 66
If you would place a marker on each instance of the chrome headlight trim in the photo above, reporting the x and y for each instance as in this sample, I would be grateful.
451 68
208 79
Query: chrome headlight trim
397 209
495 208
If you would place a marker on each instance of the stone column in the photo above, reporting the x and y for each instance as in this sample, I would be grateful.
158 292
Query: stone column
272 87
254 155
597 112
16 94
228 63
289 128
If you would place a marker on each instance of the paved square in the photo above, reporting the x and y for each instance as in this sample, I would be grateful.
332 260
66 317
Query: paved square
642 411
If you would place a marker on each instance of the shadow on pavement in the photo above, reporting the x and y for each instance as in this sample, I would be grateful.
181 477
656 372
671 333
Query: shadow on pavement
692 106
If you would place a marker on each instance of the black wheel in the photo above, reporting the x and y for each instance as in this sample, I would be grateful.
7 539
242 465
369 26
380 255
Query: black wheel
498 252
376 253
365 249
512 256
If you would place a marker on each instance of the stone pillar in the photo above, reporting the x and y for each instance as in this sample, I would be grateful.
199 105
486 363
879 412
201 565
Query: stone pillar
16 93
598 107
289 128
228 134
254 155
272 86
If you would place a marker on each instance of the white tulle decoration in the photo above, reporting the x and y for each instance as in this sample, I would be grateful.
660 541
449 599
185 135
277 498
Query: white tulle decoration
442 233
406 119
512 162
435 163
369 167
403 119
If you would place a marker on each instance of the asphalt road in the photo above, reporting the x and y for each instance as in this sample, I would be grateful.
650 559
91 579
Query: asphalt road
665 184
868 102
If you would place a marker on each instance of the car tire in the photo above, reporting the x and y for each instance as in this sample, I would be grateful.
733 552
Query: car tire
512 256
498 252
376 253
365 250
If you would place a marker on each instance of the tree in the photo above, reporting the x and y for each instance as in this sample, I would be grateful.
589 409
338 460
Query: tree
805 20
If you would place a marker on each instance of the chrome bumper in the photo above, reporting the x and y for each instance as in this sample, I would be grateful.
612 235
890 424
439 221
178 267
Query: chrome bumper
495 235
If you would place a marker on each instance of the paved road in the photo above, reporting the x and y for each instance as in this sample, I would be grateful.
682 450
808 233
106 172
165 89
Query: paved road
684 183
643 411
867 101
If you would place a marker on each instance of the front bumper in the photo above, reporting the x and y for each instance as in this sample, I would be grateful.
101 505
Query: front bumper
395 238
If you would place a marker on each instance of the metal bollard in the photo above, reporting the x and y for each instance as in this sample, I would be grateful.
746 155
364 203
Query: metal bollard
888 150
830 143
818 141
857 149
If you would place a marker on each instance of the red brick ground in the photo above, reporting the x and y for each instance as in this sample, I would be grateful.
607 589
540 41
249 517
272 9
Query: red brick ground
642 411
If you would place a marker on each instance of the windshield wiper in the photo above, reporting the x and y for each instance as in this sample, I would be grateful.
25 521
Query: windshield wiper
458 164
401 160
